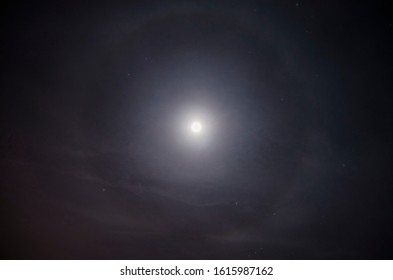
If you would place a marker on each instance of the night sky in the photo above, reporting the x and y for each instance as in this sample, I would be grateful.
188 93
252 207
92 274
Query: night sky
98 160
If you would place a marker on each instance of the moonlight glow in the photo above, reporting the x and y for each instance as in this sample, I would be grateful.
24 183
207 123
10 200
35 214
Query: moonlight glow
196 127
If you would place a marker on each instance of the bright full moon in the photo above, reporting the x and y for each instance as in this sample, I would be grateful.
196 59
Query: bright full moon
196 127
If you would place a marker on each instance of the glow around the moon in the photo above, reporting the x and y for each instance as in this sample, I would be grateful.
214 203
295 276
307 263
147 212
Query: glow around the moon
196 127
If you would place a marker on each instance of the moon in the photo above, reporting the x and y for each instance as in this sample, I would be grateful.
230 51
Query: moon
196 127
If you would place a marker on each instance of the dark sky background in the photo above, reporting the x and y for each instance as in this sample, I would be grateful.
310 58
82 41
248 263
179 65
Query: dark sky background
294 161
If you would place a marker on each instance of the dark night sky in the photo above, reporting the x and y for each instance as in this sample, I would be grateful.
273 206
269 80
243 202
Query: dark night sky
294 160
